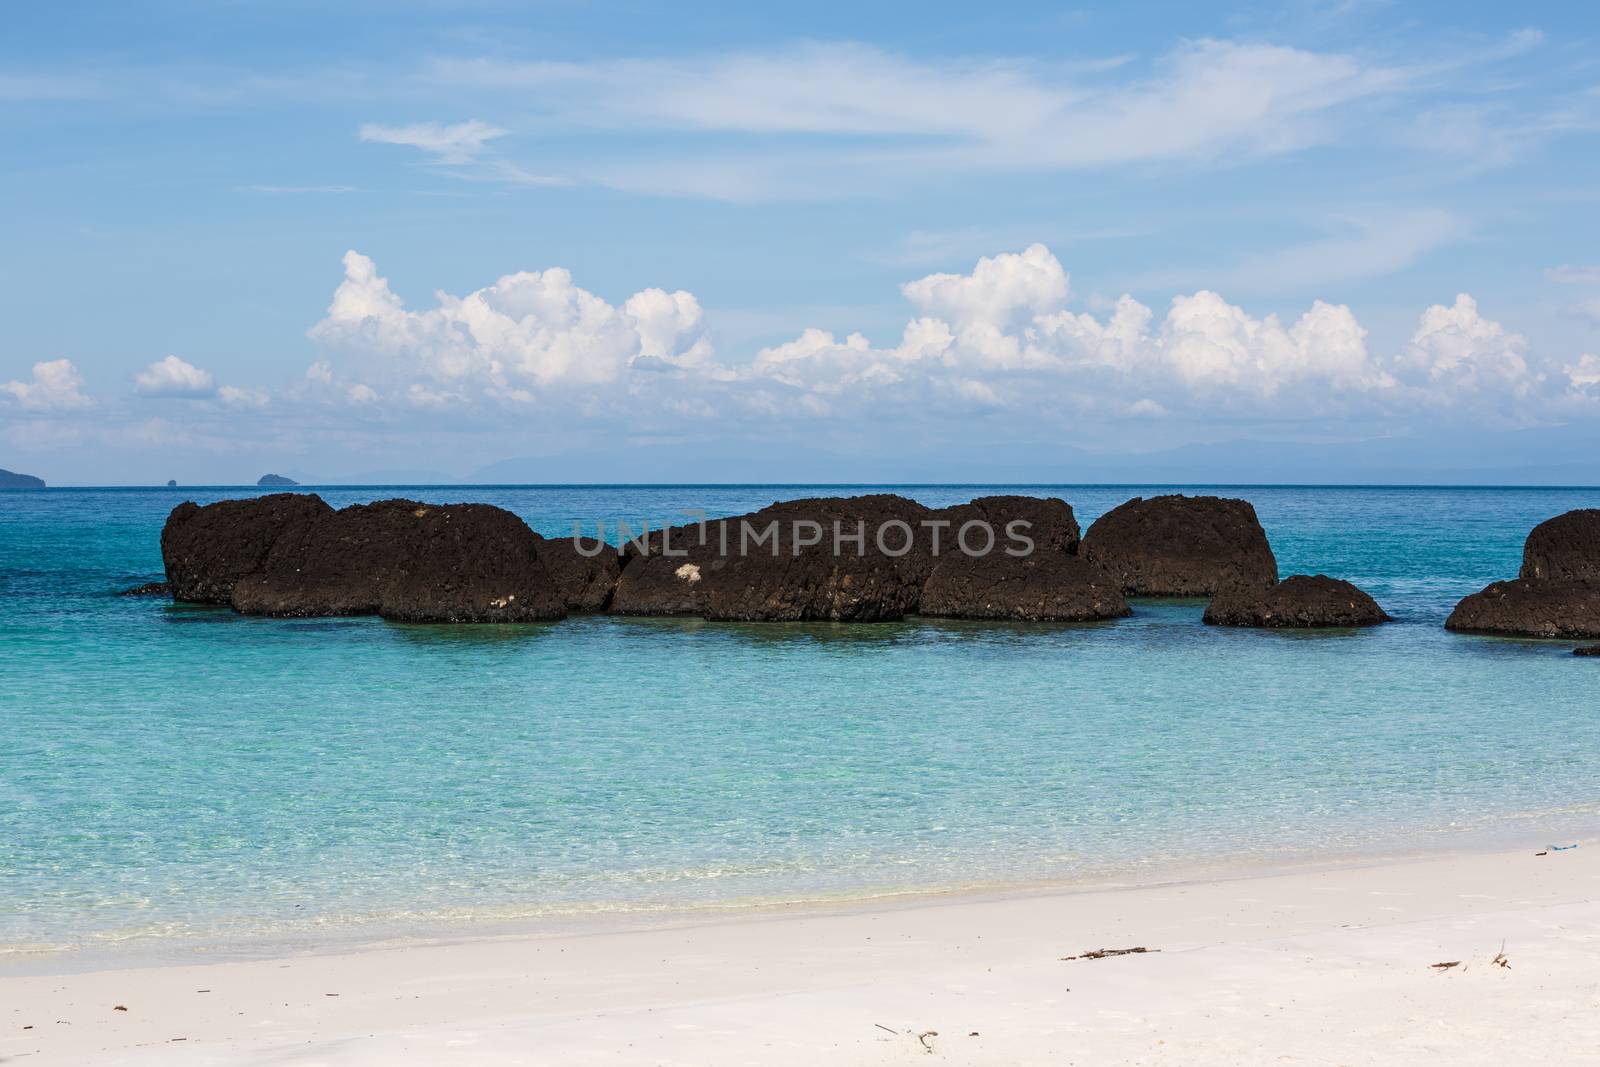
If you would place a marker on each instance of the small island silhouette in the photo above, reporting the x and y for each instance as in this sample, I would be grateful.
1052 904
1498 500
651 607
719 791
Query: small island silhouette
13 480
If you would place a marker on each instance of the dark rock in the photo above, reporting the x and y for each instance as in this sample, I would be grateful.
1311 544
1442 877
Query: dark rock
172 483
409 562
1299 601
586 579
1567 546
1587 650
12 480
1181 546
1045 585
1049 521
765 567
207 549
148 589
275 481
1531 607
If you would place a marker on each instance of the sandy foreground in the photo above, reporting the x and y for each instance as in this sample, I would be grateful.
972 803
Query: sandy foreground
1325 967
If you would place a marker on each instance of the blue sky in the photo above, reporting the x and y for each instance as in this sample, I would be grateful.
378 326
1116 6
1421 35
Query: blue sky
840 242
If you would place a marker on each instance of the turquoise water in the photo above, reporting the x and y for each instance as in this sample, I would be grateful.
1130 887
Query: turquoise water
185 773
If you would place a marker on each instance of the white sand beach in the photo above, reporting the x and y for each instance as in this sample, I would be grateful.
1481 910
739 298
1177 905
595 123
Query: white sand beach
1332 966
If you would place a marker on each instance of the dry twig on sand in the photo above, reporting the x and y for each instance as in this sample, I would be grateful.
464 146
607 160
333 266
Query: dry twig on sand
1104 953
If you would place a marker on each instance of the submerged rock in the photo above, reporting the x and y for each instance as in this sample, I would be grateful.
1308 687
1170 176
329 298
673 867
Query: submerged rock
1045 586
790 562
13 480
584 570
206 550
406 561
1567 546
1531 607
275 481
148 589
1181 546
1587 650
1299 601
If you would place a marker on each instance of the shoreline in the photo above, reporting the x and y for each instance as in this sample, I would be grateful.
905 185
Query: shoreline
335 935
1347 948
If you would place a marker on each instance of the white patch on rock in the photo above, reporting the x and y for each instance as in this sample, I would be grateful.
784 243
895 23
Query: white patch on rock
689 572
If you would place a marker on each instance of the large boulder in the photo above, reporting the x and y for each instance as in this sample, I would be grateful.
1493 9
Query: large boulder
206 550
585 570
1047 585
1531 607
1567 546
1299 601
1047 522
1181 546
793 561
406 561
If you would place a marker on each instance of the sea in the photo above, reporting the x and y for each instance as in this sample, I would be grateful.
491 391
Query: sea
182 780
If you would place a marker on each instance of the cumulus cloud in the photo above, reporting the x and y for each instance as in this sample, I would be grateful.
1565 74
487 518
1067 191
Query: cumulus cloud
1460 351
1585 373
1004 337
530 329
173 377
56 385
249 399
455 143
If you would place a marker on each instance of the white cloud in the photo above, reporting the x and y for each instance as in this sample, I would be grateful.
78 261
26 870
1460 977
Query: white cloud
893 116
56 386
235 397
1461 351
1360 246
455 143
1587 309
530 329
1003 337
998 291
1570 275
172 377
1585 373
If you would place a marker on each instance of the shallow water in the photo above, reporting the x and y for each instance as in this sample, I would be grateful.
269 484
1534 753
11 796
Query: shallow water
183 772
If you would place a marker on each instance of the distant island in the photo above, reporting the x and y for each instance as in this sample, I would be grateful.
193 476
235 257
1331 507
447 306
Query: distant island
276 481
12 480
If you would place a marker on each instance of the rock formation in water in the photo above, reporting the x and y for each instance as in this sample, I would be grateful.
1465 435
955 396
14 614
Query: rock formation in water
585 570
1181 546
208 549
1531 607
1040 579
13 480
406 561
1046 586
1300 601
1587 650
276 481
1567 546
782 564
1558 593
